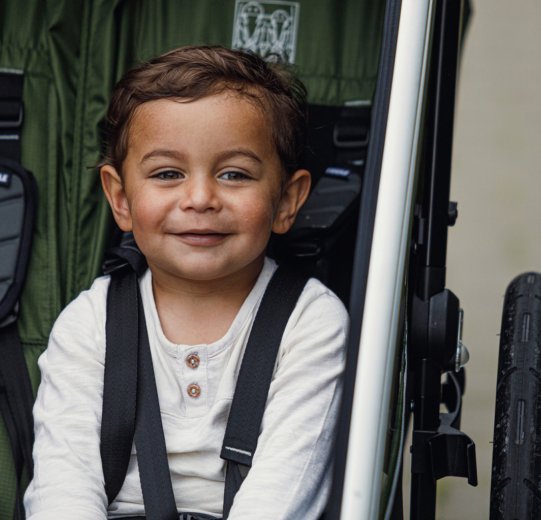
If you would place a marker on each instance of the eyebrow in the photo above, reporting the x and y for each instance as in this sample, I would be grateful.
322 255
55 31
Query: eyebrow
246 152
162 153
227 154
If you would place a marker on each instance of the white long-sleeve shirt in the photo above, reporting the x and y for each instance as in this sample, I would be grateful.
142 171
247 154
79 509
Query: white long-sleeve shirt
290 476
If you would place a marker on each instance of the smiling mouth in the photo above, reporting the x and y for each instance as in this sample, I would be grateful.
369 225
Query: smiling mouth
201 238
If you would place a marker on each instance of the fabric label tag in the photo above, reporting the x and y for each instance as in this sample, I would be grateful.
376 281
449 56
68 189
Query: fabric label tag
267 28
5 179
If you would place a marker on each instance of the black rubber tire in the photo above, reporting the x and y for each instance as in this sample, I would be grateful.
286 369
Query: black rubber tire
516 457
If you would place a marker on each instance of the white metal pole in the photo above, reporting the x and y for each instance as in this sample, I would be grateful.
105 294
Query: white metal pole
380 336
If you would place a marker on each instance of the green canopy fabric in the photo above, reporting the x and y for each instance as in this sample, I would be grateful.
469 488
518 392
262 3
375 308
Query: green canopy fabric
72 52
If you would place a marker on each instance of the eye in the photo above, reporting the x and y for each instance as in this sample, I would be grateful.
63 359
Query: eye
234 175
168 175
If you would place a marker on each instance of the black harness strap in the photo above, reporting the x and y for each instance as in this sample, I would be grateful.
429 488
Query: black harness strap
120 379
11 113
126 417
17 214
16 400
149 437
248 406
18 392
130 400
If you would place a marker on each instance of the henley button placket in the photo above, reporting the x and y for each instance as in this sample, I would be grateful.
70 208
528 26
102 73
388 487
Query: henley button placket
194 380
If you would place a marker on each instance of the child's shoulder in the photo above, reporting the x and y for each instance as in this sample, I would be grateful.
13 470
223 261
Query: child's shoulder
319 298
319 312
317 329
78 334
85 311
316 298
94 296
91 303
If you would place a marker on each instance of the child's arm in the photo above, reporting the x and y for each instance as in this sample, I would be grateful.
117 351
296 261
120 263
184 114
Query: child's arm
68 478
290 476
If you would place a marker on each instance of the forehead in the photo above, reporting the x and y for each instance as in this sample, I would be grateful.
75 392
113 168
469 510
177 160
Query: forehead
203 132
239 115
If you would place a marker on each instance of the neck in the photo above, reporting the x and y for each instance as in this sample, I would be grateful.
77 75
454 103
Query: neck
200 311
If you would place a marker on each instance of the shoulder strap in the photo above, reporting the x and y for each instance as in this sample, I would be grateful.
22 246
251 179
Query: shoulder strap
152 460
131 410
16 401
124 263
17 214
120 379
248 406
126 254
11 113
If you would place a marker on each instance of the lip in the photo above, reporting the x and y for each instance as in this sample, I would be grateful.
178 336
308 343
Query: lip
201 237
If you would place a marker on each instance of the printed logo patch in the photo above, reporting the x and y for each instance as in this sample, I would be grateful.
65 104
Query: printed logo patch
267 28
5 179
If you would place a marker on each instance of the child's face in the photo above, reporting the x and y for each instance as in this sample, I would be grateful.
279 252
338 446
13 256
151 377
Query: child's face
201 187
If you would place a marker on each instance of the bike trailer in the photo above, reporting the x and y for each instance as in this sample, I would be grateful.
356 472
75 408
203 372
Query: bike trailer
381 83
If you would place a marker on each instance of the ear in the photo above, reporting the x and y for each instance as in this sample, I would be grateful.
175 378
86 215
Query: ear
293 197
114 191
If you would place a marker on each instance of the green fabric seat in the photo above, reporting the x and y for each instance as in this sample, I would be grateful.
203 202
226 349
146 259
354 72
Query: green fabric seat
72 52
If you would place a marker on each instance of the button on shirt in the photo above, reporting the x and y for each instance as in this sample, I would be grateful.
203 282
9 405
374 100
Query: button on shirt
290 475
192 360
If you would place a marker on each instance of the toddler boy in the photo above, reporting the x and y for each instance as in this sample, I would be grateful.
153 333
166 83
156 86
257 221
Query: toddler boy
203 163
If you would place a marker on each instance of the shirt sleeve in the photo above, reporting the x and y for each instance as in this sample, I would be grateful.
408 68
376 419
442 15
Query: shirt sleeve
68 478
291 471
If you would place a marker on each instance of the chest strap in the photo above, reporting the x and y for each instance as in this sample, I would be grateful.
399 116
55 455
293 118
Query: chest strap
248 406
129 373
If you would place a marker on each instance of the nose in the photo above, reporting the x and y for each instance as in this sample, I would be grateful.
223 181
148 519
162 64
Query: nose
200 194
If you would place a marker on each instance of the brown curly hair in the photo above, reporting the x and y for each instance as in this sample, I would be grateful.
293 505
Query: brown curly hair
191 73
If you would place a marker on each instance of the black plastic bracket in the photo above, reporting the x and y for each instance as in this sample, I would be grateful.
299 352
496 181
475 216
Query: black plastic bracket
435 326
445 453
439 449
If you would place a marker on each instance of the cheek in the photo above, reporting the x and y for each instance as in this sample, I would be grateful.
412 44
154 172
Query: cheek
144 213
258 213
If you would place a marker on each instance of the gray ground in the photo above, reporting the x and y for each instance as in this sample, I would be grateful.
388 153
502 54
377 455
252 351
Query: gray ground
497 183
